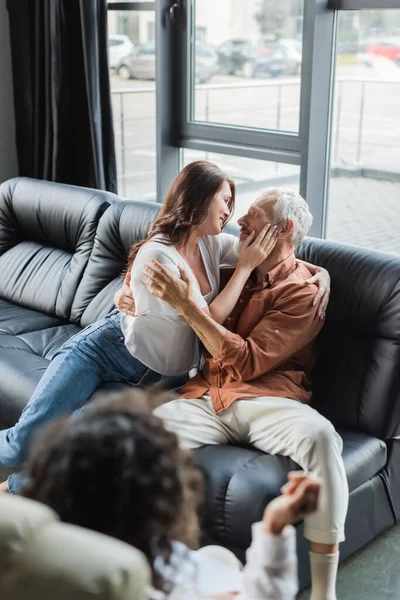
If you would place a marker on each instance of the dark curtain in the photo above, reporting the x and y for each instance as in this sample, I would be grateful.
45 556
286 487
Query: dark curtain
62 92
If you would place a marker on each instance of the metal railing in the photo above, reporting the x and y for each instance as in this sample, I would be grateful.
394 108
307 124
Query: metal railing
356 143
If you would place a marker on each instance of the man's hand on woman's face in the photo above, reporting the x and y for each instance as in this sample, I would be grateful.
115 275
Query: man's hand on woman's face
123 299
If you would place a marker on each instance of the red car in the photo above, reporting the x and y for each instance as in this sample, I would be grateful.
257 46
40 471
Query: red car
389 49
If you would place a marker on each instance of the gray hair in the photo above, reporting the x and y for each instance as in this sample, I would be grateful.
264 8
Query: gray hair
290 206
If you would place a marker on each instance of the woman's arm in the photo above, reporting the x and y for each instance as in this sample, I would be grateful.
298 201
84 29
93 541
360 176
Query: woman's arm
252 253
321 278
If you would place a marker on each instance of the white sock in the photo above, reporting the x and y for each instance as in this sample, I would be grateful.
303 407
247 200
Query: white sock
323 575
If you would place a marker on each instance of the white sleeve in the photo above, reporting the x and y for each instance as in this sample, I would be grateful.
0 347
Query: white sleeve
172 266
229 250
271 568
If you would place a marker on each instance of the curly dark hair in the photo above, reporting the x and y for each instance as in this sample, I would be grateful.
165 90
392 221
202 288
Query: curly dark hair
115 469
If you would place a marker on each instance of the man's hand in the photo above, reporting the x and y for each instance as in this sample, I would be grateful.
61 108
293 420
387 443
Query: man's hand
323 280
178 293
299 497
253 253
123 299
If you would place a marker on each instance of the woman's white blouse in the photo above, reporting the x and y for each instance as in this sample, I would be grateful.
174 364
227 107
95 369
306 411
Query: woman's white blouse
155 335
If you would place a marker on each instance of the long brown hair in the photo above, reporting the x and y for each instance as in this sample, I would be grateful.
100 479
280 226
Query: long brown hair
186 204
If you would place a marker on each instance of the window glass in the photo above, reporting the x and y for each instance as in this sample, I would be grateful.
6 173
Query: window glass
364 190
246 63
132 62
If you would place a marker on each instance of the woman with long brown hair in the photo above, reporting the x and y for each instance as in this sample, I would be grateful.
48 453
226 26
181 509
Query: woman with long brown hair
186 234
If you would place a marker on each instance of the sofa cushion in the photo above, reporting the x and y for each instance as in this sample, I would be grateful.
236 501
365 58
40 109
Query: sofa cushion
122 225
356 380
46 236
23 360
15 319
241 482
363 456
89 566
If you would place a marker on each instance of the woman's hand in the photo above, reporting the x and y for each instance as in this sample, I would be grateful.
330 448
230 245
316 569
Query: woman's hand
253 253
323 280
123 299
299 497
162 284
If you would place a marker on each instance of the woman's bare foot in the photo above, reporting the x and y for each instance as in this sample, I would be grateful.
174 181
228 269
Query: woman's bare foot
4 487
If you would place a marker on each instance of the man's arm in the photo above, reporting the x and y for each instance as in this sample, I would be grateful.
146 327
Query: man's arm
179 294
281 333
209 331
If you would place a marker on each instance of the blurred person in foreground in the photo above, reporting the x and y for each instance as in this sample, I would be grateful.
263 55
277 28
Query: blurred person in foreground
115 469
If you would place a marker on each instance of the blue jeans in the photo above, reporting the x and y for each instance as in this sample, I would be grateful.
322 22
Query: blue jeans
95 355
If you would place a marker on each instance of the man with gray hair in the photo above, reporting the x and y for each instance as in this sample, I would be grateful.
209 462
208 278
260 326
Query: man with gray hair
255 386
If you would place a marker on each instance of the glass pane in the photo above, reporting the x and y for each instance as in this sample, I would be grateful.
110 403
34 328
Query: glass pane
364 194
132 61
248 53
251 176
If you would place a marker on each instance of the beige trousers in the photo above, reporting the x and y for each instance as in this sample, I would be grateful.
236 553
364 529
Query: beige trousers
275 426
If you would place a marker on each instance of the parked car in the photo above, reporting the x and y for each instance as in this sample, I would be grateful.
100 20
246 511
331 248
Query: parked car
293 50
205 63
388 48
119 46
233 55
270 57
141 64
254 57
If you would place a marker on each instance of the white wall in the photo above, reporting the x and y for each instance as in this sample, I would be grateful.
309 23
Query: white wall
226 19
8 150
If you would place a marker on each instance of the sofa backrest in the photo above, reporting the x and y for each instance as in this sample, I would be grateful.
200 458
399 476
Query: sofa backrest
42 558
356 380
121 226
47 232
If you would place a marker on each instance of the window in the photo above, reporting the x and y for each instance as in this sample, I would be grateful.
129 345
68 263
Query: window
364 192
132 62
249 85
249 55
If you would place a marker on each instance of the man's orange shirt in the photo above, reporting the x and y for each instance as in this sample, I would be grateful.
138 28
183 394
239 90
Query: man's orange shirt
269 346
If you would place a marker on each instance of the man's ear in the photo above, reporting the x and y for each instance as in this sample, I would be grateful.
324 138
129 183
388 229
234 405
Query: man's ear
286 228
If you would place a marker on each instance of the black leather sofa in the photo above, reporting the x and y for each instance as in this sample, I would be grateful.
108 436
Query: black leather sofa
62 249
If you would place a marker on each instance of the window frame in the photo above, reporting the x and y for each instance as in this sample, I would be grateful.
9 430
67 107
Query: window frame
362 4
309 148
131 6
